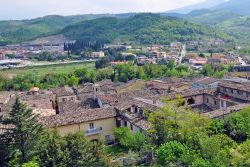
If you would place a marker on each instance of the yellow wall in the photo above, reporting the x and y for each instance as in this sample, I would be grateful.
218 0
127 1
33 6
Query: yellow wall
107 125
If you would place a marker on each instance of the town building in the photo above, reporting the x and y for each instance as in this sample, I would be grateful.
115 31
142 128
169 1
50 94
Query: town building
97 54
205 83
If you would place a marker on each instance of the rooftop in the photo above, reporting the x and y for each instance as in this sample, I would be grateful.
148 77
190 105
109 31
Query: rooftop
245 86
64 91
207 81
83 115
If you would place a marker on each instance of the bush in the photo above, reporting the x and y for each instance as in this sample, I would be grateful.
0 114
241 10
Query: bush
173 153
130 140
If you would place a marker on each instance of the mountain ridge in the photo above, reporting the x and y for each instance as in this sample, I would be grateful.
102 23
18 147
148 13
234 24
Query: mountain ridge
142 28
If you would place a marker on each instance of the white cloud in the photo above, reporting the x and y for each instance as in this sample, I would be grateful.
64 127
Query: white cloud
18 9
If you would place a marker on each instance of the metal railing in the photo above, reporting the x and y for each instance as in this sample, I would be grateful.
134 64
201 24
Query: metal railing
93 131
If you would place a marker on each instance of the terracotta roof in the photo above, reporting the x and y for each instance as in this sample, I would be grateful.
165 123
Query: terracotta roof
81 116
143 124
40 104
245 86
64 91
207 80
87 88
111 99
34 89
105 82
74 106
228 110
123 105
5 96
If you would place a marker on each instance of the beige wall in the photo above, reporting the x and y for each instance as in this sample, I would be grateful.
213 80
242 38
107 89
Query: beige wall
212 102
198 99
107 125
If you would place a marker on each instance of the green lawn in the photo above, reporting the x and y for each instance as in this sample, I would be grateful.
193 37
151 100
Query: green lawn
42 70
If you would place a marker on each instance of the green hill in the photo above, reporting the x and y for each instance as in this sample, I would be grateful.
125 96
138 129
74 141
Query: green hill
18 31
236 25
142 29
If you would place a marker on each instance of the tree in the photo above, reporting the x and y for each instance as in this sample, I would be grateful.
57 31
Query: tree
73 81
216 149
141 74
175 121
3 154
173 153
241 155
202 55
171 64
130 140
22 132
85 76
80 152
207 70
30 164
10 56
51 151
237 125
102 63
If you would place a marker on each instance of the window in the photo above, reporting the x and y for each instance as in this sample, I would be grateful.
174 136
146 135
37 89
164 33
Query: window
207 100
91 125
107 137
131 127
125 123
215 102
222 104
136 110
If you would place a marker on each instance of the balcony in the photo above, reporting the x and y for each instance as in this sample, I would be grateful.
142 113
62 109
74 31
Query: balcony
93 131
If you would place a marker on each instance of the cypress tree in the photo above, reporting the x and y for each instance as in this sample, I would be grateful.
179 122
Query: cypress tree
22 132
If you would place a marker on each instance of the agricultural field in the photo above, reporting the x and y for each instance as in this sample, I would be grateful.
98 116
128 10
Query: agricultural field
47 69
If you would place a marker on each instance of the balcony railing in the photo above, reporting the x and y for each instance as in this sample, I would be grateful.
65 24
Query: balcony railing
93 131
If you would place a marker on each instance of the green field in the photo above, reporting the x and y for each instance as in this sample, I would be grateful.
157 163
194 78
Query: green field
46 69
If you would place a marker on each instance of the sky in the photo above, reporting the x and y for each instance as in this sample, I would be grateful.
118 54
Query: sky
26 9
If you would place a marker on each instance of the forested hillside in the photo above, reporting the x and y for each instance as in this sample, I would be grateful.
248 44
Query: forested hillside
141 28
234 24
15 31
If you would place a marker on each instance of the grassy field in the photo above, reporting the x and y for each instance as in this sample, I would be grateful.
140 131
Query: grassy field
46 69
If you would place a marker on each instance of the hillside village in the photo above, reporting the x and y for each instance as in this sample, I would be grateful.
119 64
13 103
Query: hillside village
132 89
97 109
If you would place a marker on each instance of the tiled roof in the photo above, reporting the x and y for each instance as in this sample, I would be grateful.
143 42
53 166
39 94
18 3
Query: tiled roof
34 89
87 88
74 106
105 82
5 96
111 99
80 116
64 91
207 80
40 104
234 85
143 124
228 110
